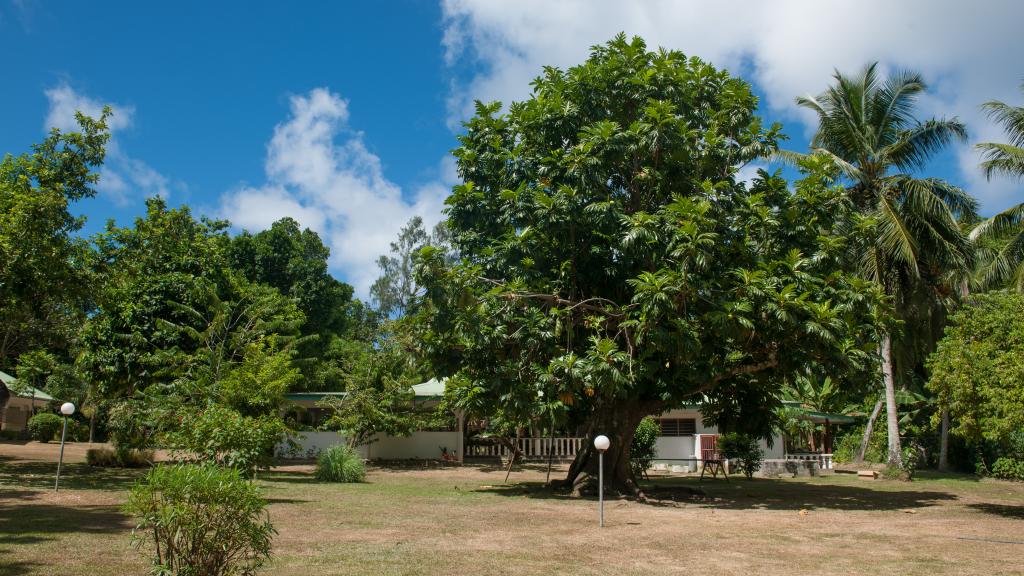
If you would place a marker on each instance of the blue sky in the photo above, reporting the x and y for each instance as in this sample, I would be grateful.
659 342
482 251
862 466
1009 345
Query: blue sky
342 114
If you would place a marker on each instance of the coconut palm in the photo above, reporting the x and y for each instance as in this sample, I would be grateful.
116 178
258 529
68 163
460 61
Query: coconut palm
910 236
1003 234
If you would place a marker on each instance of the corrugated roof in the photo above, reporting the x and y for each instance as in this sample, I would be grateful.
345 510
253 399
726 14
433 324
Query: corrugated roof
432 388
12 383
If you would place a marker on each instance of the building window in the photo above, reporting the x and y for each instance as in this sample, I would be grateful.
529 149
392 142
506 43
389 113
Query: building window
678 426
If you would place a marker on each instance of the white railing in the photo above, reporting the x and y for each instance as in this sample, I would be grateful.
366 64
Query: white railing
824 460
531 448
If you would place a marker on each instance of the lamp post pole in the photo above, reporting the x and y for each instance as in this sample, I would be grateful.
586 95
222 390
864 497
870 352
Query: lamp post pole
601 443
67 409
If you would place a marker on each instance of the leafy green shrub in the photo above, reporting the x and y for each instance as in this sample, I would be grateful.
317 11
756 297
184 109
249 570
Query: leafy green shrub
127 424
912 459
1008 469
643 450
202 521
77 431
221 435
340 463
847 445
44 427
120 458
744 450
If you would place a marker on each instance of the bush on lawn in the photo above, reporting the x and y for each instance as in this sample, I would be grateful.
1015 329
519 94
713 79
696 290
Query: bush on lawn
1008 469
44 427
642 452
222 435
743 450
120 458
202 520
340 464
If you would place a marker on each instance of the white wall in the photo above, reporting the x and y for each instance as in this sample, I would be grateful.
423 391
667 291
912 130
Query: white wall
423 445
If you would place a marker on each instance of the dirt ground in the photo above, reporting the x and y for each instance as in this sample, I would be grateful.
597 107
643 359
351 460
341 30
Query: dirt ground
463 520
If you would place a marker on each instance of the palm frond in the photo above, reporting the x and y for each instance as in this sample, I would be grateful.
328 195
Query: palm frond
1001 159
914 146
1011 118
1009 221
895 240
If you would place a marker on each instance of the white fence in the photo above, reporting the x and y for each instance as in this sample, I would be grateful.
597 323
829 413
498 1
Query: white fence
824 460
531 448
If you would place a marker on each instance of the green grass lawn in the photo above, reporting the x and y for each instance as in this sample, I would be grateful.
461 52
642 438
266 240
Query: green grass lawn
464 521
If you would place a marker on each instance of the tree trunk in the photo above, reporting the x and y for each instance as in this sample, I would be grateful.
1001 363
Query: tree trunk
866 440
944 442
895 458
617 421
92 427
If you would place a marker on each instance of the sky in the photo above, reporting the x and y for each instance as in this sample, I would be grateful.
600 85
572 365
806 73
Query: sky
342 115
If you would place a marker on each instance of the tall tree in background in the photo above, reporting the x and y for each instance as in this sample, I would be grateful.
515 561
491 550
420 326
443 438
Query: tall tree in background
609 257
44 268
1005 263
395 290
294 261
909 233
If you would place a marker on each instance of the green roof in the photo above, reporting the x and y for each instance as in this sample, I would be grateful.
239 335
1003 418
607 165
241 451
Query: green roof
315 396
12 383
430 389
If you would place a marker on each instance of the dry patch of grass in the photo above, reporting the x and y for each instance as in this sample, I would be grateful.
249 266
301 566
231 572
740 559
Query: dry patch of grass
463 520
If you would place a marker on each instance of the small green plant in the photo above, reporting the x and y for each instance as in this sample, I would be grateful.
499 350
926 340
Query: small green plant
642 452
221 435
912 459
742 449
202 520
340 464
119 458
1008 469
44 427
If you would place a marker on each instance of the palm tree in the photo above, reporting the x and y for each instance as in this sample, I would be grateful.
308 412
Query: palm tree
1004 231
867 128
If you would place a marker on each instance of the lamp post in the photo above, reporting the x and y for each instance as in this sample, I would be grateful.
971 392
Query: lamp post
601 443
67 409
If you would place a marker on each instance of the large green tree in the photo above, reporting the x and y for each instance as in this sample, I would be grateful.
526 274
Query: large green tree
610 256
978 368
45 284
1004 232
908 232
294 261
149 274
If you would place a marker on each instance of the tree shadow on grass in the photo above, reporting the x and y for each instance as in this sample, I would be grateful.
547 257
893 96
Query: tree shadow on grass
757 494
287 477
26 520
32 474
15 568
1004 510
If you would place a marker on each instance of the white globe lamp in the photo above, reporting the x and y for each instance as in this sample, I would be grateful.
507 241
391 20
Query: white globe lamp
67 409
601 443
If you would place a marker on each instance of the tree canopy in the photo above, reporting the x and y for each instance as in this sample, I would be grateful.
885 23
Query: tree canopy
978 368
611 255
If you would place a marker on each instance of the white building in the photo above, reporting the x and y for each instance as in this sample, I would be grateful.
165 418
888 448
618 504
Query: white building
684 444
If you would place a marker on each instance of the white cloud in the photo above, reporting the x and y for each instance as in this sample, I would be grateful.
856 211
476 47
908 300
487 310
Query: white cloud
320 172
123 179
969 51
